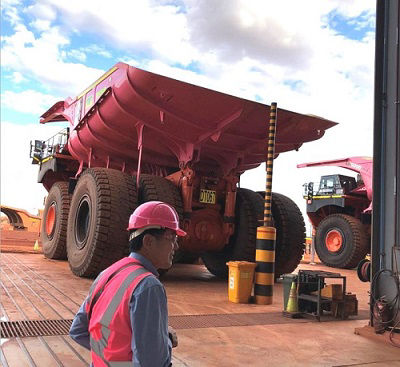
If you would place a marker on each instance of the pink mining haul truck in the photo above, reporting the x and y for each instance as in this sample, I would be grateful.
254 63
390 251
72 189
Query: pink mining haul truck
135 136
339 208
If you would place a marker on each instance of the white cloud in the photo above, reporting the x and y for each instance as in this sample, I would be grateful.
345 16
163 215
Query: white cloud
28 101
10 3
9 10
133 62
17 77
77 54
145 26
97 50
354 8
255 29
41 25
41 59
42 11
236 35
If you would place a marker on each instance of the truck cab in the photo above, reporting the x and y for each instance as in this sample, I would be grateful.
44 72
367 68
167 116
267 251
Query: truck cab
330 185
43 150
336 185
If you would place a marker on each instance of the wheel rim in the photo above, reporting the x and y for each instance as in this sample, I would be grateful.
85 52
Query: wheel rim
51 220
334 240
82 221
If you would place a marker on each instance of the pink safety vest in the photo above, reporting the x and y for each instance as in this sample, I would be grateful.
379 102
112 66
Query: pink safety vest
109 323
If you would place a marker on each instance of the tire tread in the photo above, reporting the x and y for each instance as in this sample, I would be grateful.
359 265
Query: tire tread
359 247
116 198
58 249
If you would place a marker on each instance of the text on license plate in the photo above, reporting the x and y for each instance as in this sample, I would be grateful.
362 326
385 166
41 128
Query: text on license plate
207 196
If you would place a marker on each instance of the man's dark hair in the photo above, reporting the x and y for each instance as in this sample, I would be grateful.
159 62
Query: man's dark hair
135 244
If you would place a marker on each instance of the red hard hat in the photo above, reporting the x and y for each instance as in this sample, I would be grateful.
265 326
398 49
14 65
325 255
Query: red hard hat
155 214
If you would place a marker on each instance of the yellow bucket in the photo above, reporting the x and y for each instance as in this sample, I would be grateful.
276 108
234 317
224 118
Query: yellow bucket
240 281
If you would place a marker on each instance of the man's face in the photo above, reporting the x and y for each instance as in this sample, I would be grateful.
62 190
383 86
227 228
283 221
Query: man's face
163 248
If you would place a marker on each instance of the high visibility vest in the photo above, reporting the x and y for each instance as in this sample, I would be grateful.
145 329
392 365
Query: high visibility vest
109 317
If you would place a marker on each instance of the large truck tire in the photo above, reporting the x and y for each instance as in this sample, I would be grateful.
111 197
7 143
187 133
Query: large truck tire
53 233
290 234
341 241
156 188
185 257
242 244
101 204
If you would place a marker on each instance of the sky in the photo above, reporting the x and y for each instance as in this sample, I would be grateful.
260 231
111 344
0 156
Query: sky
312 56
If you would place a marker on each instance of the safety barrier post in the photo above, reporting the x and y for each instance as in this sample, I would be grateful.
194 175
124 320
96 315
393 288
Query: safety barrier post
266 235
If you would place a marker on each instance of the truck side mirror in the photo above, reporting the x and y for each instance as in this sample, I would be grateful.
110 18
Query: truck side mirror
310 192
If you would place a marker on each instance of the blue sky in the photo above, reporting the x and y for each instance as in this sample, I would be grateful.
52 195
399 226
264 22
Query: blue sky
316 58
352 27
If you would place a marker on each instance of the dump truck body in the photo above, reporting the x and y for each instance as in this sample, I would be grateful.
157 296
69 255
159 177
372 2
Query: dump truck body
339 208
155 138
176 122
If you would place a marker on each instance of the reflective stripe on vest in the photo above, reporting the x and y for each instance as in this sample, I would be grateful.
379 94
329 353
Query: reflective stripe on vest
102 328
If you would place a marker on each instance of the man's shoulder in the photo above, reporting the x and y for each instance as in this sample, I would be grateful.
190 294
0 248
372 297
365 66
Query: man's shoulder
150 280
147 283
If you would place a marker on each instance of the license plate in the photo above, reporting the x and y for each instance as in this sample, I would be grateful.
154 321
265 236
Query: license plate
207 196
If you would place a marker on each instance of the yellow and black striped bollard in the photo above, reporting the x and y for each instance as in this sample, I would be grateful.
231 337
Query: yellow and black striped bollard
266 235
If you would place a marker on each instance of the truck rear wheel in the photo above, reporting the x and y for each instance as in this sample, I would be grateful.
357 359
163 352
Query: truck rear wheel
101 204
341 241
53 233
242 244
160 189
290 234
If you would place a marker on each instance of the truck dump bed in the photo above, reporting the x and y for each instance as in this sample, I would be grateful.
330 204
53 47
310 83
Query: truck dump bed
176 122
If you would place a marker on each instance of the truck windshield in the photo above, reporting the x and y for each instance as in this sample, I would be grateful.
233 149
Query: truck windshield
329 184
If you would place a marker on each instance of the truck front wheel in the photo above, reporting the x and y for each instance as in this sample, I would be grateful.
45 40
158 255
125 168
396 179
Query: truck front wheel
101 204
341 241
53 233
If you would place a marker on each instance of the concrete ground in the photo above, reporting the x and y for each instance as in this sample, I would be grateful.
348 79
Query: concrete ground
212 331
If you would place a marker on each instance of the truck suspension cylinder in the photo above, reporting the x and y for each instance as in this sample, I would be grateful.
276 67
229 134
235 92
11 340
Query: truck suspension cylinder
230 201
139 127
266 235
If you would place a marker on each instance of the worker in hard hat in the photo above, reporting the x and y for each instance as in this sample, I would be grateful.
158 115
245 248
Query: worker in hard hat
124 319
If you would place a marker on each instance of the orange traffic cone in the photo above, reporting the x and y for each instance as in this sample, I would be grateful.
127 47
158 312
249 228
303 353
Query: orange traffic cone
292 302
36 246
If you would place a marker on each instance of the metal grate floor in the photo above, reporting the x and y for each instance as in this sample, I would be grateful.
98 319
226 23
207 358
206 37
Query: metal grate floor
13 329
225 320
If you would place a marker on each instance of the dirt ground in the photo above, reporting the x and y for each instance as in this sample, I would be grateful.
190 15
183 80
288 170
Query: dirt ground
212 331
